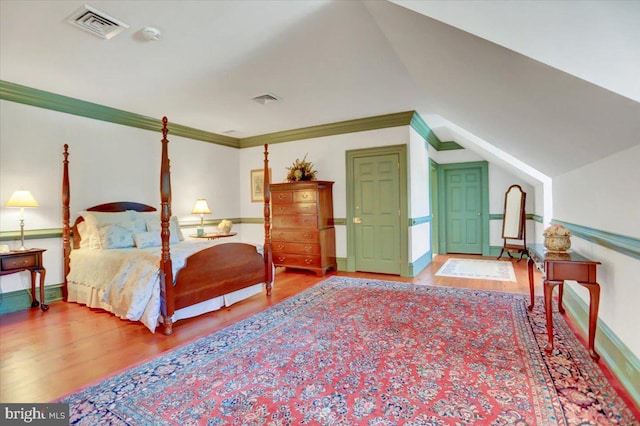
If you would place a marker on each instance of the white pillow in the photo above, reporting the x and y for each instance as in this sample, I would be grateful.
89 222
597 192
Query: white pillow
114 236
147 239
83 234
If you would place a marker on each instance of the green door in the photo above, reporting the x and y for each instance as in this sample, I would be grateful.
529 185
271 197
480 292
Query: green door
463 205
377 213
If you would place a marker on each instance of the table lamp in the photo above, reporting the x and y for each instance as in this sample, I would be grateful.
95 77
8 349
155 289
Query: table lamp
21 199
201 207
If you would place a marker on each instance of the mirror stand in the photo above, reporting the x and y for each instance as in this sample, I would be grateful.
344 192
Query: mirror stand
514 230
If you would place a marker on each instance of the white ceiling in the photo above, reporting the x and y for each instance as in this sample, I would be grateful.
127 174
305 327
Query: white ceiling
513 84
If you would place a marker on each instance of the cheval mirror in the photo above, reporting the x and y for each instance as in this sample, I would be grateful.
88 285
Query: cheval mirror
514 230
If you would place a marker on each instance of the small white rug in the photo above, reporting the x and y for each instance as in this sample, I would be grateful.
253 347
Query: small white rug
478 269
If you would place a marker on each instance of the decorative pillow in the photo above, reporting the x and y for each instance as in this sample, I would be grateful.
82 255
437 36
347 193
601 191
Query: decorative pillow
135 226
96 219
153 225
147 239
114 236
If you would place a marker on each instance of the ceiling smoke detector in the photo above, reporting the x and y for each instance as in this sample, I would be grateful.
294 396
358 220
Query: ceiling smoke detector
265 99
150 33
96 22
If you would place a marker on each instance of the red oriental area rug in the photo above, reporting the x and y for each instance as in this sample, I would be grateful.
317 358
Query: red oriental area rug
362 352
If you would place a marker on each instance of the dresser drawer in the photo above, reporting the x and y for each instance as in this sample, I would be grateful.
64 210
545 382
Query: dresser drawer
301 221
305 196
295 248
300 260
19 262
280 197
310 236
295 208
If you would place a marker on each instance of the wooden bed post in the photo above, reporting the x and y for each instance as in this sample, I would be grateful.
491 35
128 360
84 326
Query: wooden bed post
166 268
66 244
268 256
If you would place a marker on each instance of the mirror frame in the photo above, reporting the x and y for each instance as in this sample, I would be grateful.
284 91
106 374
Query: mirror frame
514 229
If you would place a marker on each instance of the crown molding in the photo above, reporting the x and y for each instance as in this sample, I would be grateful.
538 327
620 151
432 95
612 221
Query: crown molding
42 99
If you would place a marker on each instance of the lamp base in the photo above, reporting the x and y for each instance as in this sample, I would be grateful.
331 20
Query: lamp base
22 247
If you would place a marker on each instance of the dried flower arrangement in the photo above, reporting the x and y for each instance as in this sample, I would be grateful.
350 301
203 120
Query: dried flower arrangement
301 170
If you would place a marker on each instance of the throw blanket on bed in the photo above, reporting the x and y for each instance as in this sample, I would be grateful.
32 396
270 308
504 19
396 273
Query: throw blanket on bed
129 277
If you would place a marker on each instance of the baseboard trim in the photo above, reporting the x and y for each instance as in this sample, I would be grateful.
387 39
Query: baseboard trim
21 299
416 267
619 359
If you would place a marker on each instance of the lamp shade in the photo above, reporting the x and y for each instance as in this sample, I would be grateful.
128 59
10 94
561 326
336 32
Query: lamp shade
201 207
21 198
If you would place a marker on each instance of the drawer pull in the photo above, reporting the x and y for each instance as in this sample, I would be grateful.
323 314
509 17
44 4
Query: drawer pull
307 236
305 195
281 246
281 209
281 196
308 261
281 258
308 248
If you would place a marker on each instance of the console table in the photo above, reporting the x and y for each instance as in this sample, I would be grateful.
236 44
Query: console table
559 267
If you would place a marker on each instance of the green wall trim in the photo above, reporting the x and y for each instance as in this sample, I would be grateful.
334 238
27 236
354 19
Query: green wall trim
339 128
417 266
42 99
620 360
529 216
31 234
535 217
423 129
622 244
419 220
19 300
342 263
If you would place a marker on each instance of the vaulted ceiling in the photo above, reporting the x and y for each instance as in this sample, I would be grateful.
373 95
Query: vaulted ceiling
553 84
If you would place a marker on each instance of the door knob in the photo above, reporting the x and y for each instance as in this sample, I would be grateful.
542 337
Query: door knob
357 220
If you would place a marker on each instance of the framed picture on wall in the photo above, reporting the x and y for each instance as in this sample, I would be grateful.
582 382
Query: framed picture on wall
257 185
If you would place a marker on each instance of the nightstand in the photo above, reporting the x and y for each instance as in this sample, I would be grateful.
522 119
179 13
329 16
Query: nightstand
26 260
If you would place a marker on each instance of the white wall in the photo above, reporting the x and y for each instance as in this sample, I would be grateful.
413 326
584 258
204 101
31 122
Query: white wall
419 170
329 157
107 162
605 195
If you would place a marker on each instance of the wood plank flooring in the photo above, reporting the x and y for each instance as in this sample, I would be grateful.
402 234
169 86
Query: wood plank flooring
46 355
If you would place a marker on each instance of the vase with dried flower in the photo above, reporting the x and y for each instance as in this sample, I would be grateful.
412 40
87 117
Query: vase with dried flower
301 170
557 238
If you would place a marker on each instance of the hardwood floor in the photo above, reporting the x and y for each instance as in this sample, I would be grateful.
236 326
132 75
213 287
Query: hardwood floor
46 355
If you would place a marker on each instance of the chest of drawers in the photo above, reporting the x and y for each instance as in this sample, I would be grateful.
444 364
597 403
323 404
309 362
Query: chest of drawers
302 232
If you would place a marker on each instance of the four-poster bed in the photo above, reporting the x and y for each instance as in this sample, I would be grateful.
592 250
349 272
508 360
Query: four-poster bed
202 276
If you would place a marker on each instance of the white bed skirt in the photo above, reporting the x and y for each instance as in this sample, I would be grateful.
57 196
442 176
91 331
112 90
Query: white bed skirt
94 298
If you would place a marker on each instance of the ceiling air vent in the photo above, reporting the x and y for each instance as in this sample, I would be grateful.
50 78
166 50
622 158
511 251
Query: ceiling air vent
96 22
265 99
